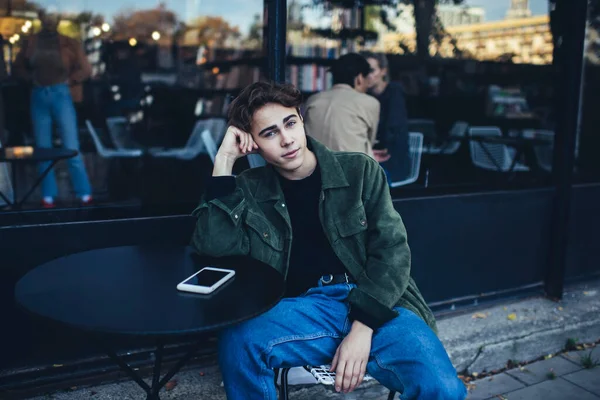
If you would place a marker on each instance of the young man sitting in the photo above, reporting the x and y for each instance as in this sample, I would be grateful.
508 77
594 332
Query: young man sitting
324 220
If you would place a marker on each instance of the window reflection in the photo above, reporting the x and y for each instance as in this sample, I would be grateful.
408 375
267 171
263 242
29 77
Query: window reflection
587 163
157 68
479 88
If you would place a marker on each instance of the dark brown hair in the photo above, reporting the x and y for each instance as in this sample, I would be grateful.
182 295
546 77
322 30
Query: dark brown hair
257 95
381 59
346 68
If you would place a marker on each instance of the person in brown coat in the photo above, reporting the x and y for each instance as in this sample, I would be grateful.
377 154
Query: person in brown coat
56 66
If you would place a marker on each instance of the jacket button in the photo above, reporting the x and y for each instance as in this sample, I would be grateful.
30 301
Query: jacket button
363 222
235 216
282 205
266 234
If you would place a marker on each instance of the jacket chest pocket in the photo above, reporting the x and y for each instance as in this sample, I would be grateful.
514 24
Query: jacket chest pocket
352 228
266 244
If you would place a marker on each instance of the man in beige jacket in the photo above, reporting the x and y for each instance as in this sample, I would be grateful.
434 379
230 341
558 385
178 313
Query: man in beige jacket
344 118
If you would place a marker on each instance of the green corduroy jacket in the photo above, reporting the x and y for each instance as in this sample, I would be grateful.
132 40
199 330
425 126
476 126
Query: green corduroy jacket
358 218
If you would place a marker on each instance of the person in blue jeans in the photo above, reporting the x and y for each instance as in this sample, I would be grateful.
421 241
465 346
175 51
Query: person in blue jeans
57 67
324 220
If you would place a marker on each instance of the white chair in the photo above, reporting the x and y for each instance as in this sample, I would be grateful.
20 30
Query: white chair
256 160
543 153
415 143
493 156
6 188
425 126
195 143
458 131
118 129
106 152
209 144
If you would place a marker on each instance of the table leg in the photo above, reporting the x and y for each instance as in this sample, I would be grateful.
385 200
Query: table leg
128 370
20 203
6 200
487 153
14 184
156 373
182 361
153 391
518 154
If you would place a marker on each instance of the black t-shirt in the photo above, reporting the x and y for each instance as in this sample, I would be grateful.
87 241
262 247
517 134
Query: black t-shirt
312 255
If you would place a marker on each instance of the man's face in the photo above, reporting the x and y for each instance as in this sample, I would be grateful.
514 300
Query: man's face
279 133
377 74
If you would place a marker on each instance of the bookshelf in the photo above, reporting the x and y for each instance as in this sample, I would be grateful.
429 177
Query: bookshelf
310 51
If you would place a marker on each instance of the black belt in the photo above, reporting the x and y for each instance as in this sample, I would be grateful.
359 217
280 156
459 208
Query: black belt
330 279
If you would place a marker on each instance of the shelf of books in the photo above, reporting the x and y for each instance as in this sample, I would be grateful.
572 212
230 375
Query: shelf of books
310 53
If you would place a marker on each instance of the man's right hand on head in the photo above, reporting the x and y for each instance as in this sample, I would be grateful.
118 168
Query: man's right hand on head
236 144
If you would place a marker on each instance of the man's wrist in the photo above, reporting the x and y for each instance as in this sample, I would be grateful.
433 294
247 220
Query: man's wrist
223 165
360 327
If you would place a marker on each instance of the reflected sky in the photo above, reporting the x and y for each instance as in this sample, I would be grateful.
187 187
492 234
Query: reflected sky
241 12
236 12
496 9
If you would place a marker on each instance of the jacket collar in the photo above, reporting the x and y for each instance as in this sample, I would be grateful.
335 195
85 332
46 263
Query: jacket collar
332 174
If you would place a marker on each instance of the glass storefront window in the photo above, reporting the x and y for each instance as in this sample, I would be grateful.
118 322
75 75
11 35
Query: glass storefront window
158 68
490 72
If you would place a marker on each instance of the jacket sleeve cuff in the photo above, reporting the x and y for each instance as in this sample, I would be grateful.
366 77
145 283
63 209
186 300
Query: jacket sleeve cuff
364 304
220 186
356 314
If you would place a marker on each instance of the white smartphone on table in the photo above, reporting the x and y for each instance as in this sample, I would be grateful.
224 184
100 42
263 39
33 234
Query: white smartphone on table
206 281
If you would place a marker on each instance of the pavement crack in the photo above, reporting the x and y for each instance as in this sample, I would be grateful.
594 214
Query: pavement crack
479 351
512 339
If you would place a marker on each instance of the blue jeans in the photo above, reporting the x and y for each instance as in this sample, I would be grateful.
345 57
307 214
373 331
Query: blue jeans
406 355
54 104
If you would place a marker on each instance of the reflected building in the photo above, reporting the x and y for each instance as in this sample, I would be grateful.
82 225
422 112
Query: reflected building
518 9
520 38
452 15
592 51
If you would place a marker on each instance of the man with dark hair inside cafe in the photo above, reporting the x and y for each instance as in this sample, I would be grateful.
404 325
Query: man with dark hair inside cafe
392 131
326 222
344 118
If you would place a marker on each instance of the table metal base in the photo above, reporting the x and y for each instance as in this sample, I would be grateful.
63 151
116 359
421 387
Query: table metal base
157 383
18 204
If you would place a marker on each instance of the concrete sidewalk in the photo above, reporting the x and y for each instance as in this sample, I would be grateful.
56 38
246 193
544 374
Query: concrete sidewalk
483 340
557 378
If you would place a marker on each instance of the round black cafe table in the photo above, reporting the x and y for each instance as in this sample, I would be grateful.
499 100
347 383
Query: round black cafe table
131 290
39 154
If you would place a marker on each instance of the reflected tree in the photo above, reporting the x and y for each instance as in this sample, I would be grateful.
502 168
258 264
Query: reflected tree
140 24
255 32
8 7
214 32
593 50
427 25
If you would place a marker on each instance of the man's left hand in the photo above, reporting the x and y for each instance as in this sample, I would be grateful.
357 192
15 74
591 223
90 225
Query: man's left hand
351 358
381 155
